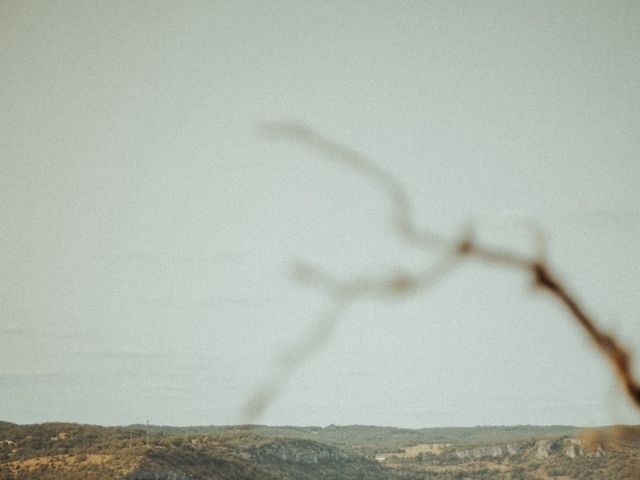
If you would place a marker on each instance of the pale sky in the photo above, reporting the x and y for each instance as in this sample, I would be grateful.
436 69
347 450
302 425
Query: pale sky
148 227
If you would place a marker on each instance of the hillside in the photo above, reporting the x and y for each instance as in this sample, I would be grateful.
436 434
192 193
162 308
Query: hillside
370 440
71 451
53 451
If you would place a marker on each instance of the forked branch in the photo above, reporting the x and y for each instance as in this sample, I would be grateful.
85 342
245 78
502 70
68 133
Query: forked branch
451 252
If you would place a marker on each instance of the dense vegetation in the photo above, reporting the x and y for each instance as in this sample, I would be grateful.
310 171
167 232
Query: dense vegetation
54 451
370 439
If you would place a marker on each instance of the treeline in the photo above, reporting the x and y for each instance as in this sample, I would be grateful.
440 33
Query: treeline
24 441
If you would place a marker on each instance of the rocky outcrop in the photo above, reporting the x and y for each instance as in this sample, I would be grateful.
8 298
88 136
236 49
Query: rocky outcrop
493 451
295 451
546 448
569 447
573 448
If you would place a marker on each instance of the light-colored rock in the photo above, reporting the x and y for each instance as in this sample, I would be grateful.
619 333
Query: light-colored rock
573 448
493 451
296 452
545 448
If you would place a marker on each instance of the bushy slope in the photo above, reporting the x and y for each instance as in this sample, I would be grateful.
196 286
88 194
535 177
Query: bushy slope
56 451
68 451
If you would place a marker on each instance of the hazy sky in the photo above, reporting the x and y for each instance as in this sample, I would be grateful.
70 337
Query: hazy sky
147 227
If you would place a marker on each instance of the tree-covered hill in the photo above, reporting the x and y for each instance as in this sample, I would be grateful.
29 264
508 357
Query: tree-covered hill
57 451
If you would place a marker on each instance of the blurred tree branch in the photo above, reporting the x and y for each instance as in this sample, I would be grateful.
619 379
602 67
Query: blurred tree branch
451 251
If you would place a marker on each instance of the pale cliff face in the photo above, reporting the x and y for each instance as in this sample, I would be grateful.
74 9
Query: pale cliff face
494 451
295 452
569 447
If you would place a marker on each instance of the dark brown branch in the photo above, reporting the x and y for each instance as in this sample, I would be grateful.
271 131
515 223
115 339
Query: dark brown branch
451 250
608 345
611 347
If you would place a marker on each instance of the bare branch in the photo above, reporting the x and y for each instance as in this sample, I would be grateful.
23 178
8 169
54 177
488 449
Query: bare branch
451 252
292 358
608 345
342 296
355 160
